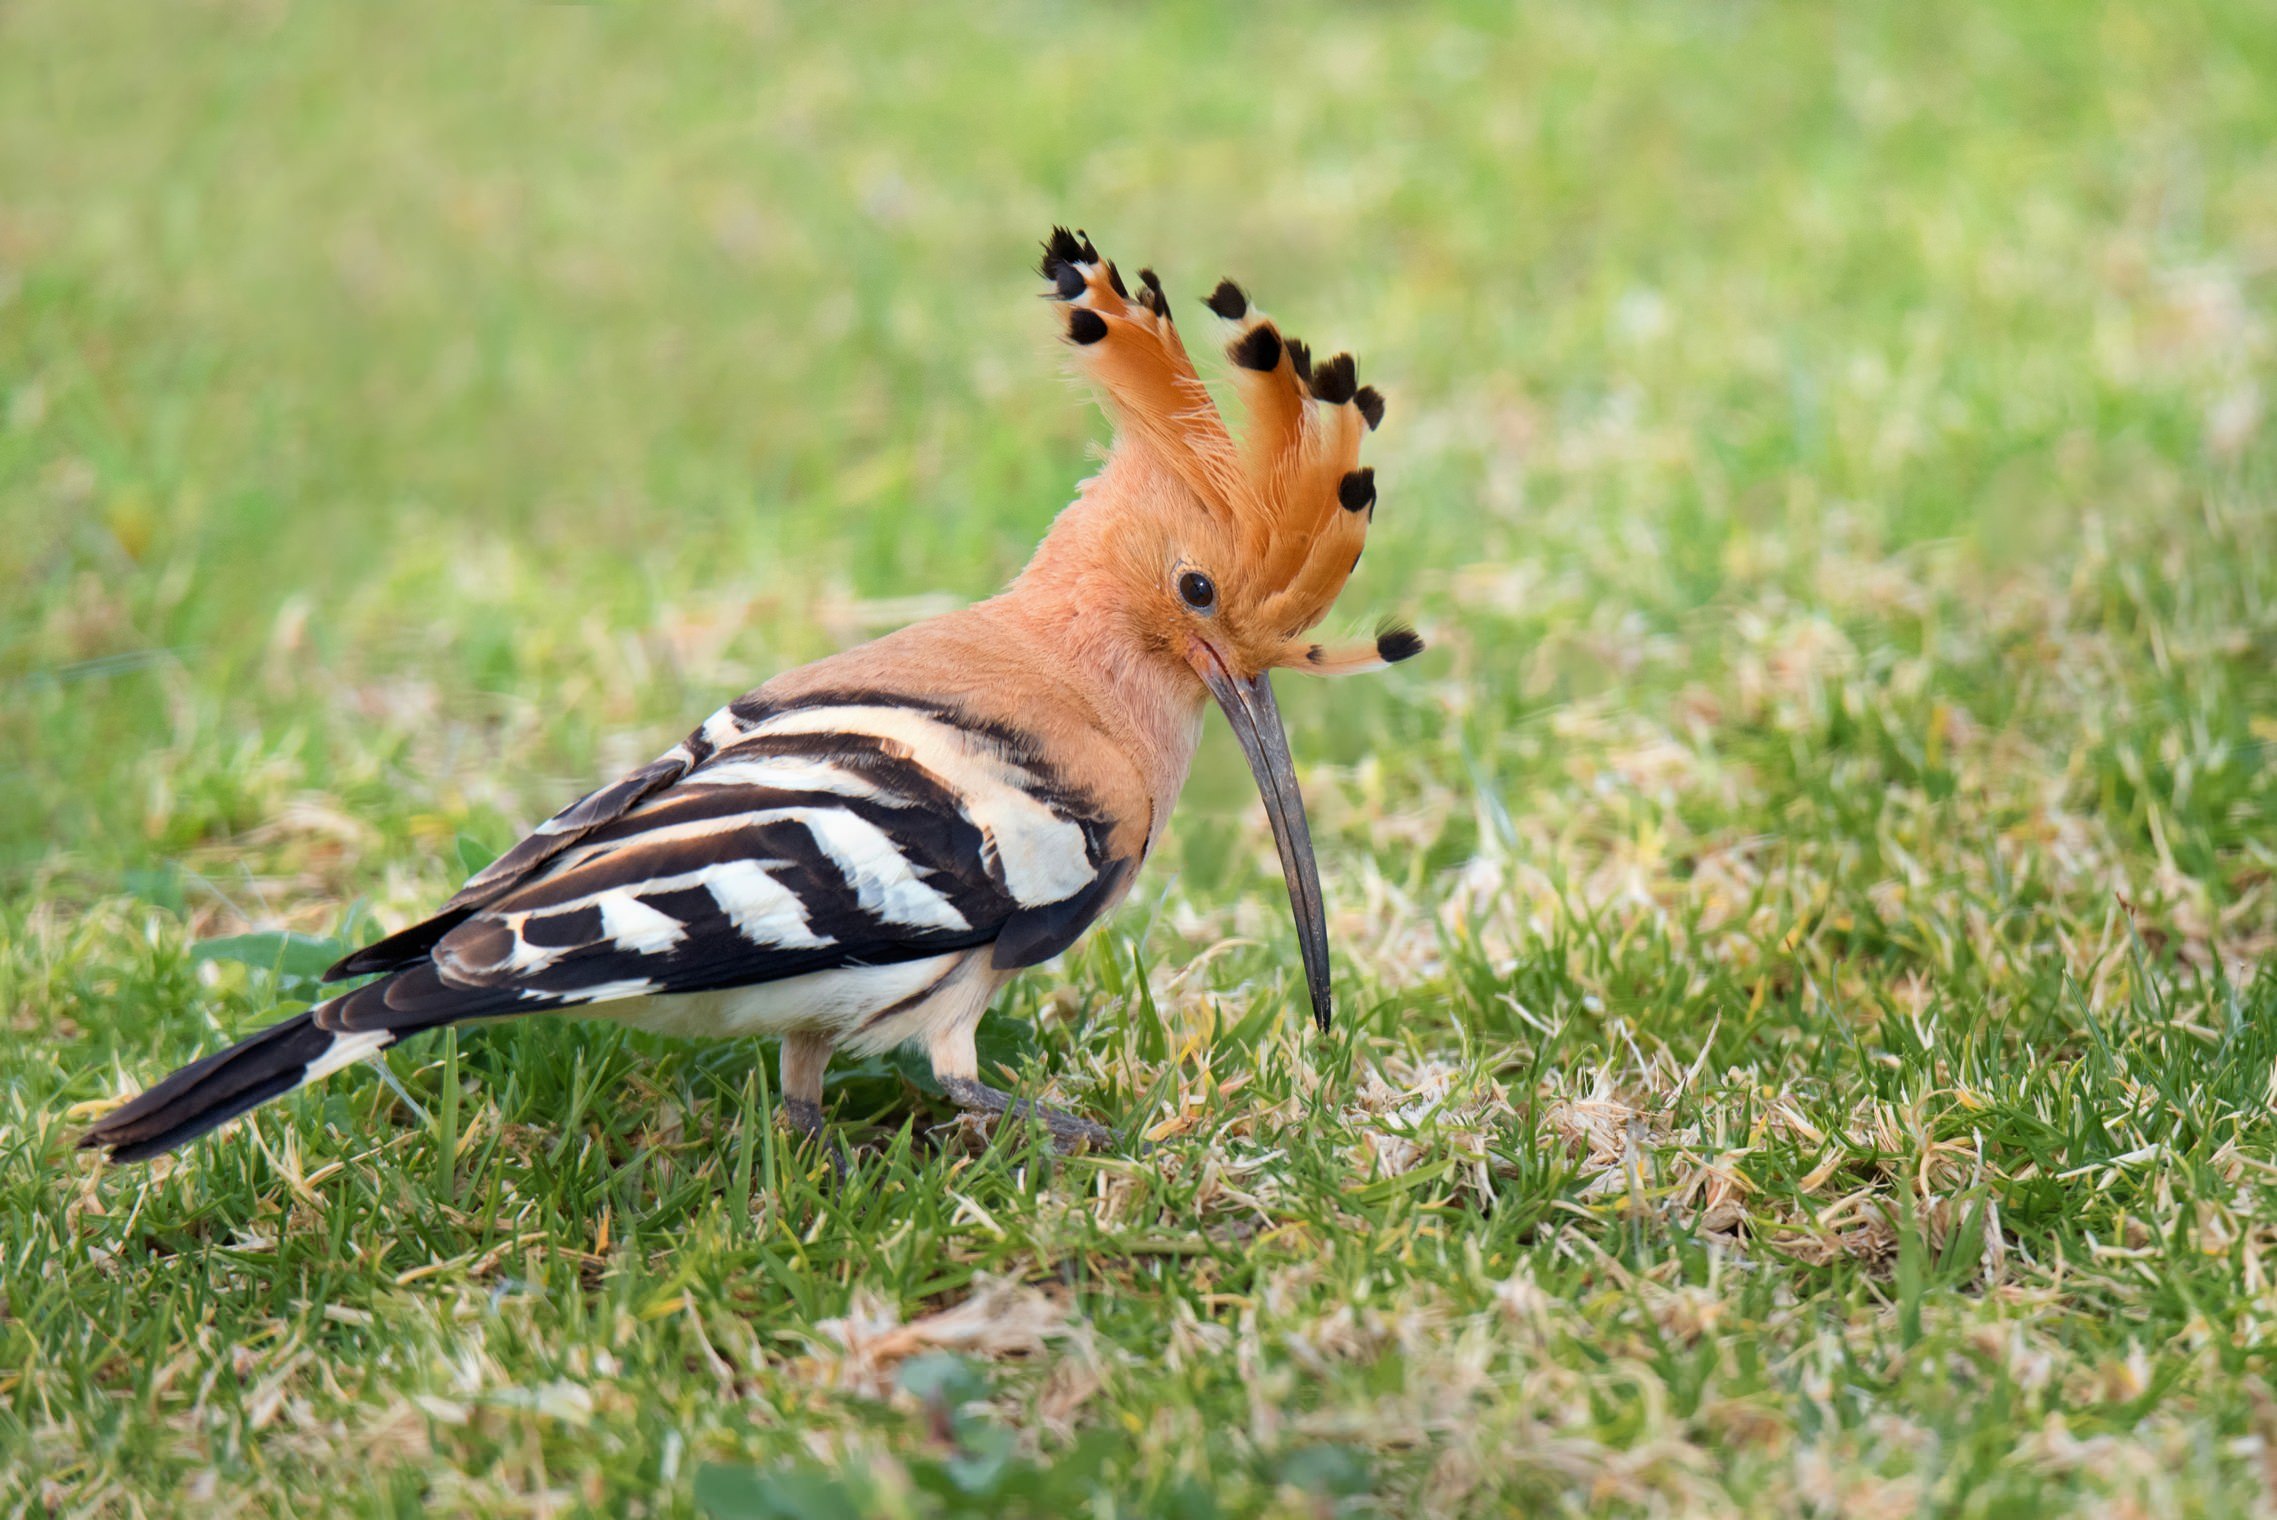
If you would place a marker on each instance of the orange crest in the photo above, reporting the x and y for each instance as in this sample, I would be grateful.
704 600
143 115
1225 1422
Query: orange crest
1290 505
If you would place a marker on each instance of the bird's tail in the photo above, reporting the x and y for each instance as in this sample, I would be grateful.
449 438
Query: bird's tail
212 1091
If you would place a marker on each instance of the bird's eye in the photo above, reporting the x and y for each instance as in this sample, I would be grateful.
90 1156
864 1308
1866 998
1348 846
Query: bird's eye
1198 591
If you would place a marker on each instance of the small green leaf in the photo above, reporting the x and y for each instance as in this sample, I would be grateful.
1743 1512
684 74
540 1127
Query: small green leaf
1338 1470
729 1492
981 1468
940 1378
1005 1041
915 1068
474 855
293 957
160 885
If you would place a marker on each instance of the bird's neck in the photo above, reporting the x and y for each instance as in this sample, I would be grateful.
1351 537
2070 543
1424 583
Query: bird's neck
1151 708
1064 605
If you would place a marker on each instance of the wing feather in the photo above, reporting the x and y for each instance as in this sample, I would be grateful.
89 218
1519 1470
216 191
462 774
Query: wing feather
841 831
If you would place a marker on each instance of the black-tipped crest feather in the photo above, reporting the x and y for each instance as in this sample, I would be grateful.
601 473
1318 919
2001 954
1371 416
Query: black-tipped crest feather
1356 492
1060 248
1335 380
1228 301
1259 349
1154 296
1300 359
1398 642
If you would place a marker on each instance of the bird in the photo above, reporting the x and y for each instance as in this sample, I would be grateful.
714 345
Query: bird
859 853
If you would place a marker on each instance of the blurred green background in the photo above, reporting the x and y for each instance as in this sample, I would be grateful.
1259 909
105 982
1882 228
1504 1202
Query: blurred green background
1829 452
569 365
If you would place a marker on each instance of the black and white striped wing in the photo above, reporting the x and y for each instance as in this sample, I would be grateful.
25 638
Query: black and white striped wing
777 841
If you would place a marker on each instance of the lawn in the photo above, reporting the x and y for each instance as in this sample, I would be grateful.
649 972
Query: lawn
1801 931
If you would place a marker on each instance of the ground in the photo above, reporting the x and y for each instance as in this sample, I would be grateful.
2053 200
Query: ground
1800 930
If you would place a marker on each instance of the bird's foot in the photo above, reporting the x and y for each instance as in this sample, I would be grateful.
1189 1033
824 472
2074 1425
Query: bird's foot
1068 1131
803 1117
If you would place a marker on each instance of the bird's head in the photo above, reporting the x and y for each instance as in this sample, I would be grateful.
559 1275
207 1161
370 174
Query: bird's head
1214 557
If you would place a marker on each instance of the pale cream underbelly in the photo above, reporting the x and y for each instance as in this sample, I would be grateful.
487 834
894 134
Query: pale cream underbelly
841 1003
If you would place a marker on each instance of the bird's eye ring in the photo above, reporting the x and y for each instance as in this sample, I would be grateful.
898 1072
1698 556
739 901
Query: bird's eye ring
1198 591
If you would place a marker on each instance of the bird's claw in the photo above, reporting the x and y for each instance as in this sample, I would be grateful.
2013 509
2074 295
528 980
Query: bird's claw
1069 1132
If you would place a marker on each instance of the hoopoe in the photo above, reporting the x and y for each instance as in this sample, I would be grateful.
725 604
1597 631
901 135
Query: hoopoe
862 851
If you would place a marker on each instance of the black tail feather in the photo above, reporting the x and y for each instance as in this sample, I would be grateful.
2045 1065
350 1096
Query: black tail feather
212 1091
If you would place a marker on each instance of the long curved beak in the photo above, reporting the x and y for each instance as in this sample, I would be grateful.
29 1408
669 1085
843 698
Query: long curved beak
1256 721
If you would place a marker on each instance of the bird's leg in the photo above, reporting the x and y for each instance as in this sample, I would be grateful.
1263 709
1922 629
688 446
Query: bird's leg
805 1054
956 1066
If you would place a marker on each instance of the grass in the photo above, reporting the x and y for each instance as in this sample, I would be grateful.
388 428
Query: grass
1802 931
